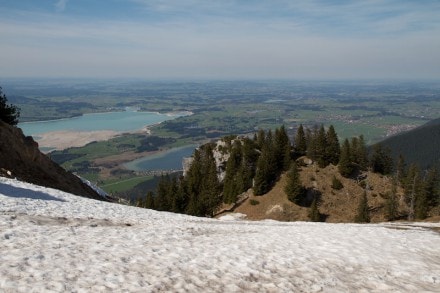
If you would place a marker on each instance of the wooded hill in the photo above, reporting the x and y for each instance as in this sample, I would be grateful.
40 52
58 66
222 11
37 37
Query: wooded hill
420 145
315 178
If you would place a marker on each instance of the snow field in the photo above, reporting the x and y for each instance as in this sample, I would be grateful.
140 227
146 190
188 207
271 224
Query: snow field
52 241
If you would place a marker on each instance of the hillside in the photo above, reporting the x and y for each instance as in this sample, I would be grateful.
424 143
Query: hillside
20 158
420 145
337 206
54 241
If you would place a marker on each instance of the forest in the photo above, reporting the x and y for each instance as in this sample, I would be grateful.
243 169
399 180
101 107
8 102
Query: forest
257 162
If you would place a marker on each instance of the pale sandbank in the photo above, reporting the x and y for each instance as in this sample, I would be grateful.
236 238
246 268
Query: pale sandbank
59 140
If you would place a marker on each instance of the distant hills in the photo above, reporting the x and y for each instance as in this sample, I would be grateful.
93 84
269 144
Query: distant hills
420 145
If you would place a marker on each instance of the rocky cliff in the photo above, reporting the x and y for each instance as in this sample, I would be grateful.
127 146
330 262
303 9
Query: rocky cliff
21 158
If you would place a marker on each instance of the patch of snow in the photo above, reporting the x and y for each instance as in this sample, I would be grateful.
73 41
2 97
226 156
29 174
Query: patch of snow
232 217
97 189
54 241
274 209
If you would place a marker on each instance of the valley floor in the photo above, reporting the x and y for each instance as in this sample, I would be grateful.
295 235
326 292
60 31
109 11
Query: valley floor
54 241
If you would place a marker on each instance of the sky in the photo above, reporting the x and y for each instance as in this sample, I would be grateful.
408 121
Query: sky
228 39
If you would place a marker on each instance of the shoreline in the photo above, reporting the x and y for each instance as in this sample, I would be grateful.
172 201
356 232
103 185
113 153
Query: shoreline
63 139
169 114
60 140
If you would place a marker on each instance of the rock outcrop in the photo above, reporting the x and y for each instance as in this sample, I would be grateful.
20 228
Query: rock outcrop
21 158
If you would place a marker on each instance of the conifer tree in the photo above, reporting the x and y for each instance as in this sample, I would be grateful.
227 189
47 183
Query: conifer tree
354 146
210 187
249 162
294 188
287 157
264 172
381 160
282 149
421 205
193 184
392 204
8 113
401 170
333 149
163 201
345 166
181 198
312 144
321 147
363 215
300 145
202 184
230 184
314 214
149 201
412 187
431 187
261 139
361 154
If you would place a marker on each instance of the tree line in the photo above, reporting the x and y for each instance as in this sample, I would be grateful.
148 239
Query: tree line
258 163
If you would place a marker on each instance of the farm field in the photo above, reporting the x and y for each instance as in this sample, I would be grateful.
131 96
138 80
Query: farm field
371 108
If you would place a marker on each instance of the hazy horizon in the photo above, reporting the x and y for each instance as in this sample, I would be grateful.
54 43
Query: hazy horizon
221 40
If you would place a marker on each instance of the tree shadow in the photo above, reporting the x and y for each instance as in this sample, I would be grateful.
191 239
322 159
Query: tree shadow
19 192
307 198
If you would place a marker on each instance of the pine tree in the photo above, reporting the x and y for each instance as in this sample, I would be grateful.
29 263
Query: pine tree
282 149
314 214
8 113
261 139
210 187
163 201
193 184
401 170
202 184
149 201
300 141
363 215
333 149
230 184
294 189
262 180
354 146
412 189
431 187
381 160
321 147
312 143
361 154
249 162
345 166
392 204
421 206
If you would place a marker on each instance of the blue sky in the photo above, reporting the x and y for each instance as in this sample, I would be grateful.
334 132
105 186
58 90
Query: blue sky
229 39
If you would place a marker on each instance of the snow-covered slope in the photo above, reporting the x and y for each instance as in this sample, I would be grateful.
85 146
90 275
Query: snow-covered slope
54 241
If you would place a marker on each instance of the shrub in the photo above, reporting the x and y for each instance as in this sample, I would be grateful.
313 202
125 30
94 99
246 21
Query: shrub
254 202
337 184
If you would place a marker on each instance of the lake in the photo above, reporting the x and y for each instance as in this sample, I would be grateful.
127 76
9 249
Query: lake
117 121
168 160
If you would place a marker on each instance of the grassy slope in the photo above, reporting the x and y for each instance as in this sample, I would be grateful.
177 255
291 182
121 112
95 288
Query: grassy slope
337 205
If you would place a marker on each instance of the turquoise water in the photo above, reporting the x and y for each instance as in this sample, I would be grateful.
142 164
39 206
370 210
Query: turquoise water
116 121
169 160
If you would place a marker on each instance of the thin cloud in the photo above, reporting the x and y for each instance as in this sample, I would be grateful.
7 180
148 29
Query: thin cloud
61 5
228 39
